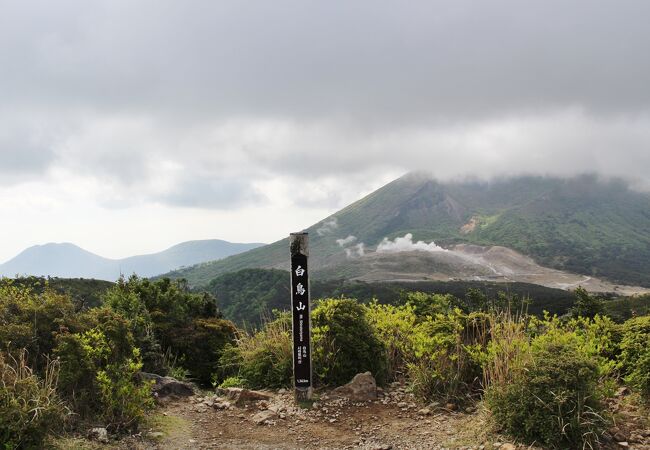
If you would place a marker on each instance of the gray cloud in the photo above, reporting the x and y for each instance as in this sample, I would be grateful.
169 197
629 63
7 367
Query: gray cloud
197 103
367 60
212 194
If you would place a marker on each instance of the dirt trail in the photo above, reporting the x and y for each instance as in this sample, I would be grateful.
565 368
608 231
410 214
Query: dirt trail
392 422
364 426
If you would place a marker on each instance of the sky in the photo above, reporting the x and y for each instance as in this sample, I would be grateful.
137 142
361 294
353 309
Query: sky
127 126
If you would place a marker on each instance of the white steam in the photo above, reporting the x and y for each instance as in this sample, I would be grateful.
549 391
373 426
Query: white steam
328 227
355 251
347 241
406 244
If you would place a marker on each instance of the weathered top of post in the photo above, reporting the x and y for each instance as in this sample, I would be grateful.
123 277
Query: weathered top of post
298 243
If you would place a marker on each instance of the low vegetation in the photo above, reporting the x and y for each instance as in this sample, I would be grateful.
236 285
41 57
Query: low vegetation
544 379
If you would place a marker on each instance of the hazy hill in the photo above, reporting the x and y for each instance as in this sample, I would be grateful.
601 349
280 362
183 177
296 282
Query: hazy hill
583 224
69 261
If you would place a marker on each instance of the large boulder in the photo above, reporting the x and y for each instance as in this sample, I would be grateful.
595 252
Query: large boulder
168 386
363 387
239 396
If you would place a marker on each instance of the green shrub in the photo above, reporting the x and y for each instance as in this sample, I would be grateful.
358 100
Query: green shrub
29 406
394 327
165 315
634 360
552 398
425 304
30 321
345 343
264 359
232 382
447 354
99 368
585 305
200 345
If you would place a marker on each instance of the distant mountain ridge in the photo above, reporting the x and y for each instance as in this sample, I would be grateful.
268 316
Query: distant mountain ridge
584 225
70 261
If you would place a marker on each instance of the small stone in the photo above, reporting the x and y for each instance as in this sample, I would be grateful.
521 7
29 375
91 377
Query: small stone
424 412
98 434
263 416
402 405
623 444
282 391
155 435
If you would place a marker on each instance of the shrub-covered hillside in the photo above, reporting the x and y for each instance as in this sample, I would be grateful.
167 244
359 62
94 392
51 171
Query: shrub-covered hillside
545 380
249 295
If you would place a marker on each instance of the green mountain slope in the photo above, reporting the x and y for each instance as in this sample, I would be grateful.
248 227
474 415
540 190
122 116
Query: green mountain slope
249 295
582 224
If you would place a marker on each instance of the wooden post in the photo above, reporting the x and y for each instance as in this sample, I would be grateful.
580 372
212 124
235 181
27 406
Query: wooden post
301 316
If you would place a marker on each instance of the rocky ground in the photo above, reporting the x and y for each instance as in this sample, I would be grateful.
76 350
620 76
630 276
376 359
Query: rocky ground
356 416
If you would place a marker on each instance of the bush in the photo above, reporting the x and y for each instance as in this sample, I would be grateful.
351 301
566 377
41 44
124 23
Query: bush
165 315
30 321
232 382
552 398
634 360
394 327
262 359
29 406
344 343
447 355
99 368
201 344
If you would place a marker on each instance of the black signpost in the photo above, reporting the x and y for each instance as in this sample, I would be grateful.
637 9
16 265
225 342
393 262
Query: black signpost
300 307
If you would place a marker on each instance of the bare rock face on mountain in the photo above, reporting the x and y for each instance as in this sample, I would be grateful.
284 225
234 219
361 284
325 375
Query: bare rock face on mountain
363 387
167 386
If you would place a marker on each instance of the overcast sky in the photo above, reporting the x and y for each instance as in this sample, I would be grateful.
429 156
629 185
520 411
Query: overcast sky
129 126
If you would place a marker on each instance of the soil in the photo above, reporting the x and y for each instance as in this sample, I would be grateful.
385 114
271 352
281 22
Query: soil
392 422
371 425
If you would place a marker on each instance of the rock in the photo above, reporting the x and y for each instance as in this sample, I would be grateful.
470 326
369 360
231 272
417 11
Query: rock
239 396
166 386
282 391
424 412
221 405
261 417
363 387
623 444
508 447
622 391
619 437
402 405
155 435
98 434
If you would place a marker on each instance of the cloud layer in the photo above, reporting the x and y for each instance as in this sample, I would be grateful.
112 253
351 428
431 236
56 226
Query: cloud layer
302 107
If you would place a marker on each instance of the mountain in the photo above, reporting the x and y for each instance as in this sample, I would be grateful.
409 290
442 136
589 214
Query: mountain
582 225
69 261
